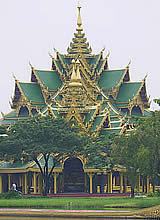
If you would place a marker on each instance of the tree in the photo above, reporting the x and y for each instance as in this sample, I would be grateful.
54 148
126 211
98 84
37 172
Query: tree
124 152
98 151
2 130
139 150
52 138
148 138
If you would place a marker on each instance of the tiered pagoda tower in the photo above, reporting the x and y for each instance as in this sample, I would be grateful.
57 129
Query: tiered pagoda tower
83 89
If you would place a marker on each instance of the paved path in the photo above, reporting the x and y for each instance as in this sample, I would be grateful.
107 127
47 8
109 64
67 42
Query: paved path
64 213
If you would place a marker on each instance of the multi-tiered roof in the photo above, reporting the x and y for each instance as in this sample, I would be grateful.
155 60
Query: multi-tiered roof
81 87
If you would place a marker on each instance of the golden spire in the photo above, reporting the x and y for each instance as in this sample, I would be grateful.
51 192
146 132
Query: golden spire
79 20
75 76
78 71
79 43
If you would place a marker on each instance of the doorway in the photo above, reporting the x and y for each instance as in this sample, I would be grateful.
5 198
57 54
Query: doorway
73 176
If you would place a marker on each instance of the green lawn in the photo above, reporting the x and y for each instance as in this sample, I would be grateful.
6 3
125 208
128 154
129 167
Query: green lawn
80 203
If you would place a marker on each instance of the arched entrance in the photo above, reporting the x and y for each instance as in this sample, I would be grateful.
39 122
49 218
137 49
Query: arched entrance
73 175
136 110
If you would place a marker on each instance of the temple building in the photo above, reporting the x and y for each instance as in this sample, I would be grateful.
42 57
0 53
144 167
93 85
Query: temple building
82 88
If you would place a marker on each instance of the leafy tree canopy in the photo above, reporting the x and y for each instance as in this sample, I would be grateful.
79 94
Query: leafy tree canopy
52 138
139 150
98 151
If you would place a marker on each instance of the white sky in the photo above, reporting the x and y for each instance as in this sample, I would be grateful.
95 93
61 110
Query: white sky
29 29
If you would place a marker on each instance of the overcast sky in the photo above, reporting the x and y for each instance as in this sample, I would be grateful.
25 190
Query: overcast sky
29 29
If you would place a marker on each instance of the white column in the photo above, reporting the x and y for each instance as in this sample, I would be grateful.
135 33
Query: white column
110 187
55 183
91 183
121 182
9 181
25 184
34 183
1 185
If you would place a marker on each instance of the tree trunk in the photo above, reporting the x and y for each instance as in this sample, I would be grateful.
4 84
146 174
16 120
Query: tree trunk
153 187
124 184
46 185
146 188
46 175
153 184
132 191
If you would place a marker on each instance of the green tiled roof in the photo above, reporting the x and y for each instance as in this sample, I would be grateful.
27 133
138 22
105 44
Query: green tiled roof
115 124
56 113
59 97
99 65
7 121
32 92
12 114
41 105
89 115
20 165
93 60
120 105
104 106
112 113
6 165
147 113
64 59
110 78
59 66
128 91
50 79
50 163
97 122
9 118
99 97
110 131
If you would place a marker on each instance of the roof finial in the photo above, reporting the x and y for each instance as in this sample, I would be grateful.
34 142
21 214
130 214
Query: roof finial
79 20
2 114
31 65
14 77
73 76
55 50
50 55
108 54
78 71
145 77
128 64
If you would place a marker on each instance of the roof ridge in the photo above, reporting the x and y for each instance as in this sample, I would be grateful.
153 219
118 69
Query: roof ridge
29 82
130 82
109 70
44 70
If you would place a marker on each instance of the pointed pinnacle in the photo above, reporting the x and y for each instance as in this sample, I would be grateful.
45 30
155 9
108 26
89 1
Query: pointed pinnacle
14 77
145 77
108 54
50 55
31 65
79 20
78 71
73 75
128 64
2 114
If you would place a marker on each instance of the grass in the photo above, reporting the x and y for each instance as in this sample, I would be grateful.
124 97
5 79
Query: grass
80 203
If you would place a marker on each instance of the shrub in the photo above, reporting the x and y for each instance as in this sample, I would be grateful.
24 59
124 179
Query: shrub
158 192
155 194
11 195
